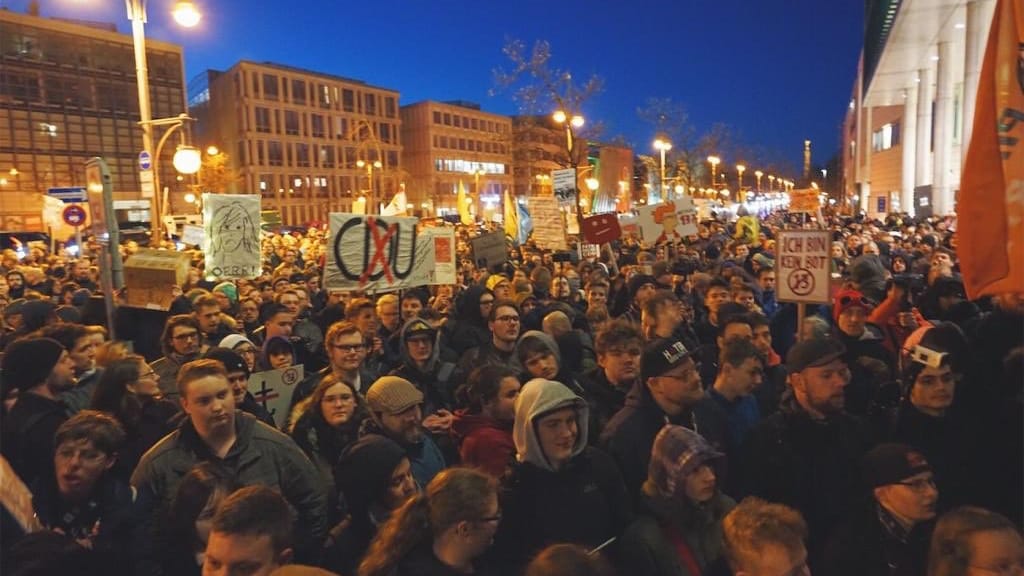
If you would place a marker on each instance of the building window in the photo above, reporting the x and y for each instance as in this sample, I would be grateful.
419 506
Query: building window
371 104
261 154
437 117
385 132
392 159
886 137
390 108
270 89
447 119
302 155
275 157
299 92
324 95
327 156
262 120
318 125
458 121
342 128
348 100
291 122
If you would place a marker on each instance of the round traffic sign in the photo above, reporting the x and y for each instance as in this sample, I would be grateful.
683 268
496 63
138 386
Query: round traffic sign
74 215
145 160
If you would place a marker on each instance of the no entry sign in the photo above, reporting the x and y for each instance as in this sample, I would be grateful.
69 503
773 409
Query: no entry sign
804 266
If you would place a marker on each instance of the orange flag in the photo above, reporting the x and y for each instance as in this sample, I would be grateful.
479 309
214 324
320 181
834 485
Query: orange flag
990 210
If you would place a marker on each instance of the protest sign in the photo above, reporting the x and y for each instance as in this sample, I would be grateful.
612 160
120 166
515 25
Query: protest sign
273 389
232 244
548 223
667 222
385 253
563 183
193 235
629 225
489 249
803 266
150 276
805 200
601 228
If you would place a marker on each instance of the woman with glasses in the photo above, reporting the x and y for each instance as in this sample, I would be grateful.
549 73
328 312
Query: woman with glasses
973 541
443 530
129 390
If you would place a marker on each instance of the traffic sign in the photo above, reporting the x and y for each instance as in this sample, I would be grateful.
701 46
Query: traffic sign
74 215
804 266
68 195
145 160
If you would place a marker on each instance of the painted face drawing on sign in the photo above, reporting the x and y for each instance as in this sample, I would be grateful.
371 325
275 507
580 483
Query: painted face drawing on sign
233 230
381 242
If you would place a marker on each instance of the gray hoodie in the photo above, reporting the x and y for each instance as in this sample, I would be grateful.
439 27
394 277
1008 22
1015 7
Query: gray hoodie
537 398
548 342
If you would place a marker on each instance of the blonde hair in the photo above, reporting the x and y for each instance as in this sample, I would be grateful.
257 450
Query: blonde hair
950 550
754 524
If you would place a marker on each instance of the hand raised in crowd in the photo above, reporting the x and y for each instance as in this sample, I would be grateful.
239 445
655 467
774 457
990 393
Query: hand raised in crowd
439 422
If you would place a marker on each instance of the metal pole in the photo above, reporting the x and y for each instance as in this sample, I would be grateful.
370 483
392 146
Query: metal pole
137 15
662 185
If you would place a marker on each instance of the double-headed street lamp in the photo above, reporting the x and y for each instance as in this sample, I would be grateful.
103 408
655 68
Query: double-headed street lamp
662 145
369 179
571 122
714 161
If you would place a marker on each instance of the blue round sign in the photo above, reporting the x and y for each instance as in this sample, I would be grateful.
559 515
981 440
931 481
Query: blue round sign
145 160
74 215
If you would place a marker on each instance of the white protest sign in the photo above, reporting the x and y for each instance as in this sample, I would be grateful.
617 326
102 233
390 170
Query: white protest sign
383 253
232 243
667 222
443 241
548 223
193 235
563 183
803 266
273 389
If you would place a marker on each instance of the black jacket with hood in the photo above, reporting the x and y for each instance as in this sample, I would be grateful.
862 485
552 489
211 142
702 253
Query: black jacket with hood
584 502
469 329
437 381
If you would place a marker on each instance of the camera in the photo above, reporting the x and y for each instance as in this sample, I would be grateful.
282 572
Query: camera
927 356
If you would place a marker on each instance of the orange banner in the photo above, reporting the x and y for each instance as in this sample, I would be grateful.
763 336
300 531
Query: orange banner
990 209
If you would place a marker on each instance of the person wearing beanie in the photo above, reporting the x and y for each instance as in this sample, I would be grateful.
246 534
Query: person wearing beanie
805 455
890 535
679 528
870 363
559 489
500 286
374 477
640 287
41 369
238 377
396 412
242 346
419 351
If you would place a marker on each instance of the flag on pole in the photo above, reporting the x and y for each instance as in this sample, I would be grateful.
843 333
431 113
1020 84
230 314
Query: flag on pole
990 209
464 216
397 206
511 216
525 223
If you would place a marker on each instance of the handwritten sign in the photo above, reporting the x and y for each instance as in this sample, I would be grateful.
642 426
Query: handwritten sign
273 389
668 222
563 183
805 200
232 244
548 223
804 266
489 249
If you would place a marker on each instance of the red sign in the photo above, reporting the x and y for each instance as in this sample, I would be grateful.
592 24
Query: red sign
601 228
74 215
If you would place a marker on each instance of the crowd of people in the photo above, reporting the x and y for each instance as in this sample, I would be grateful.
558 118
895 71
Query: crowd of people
655 410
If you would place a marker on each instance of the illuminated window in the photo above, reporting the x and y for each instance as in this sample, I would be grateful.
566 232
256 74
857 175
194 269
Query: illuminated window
886 137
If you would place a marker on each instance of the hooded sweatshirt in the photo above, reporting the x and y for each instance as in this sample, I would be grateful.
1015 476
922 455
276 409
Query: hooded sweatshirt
434 380
469 329
484 442
537 398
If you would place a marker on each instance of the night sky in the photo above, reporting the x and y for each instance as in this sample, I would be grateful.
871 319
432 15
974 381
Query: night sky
775 71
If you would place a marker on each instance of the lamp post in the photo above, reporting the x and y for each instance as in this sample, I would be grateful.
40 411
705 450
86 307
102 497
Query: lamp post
758 174
369 178
662 145
571 122
740 168
771 183
714 160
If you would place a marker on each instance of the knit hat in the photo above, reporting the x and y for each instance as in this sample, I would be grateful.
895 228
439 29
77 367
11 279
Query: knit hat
523 297
763 261
637 282
69 314
847 299
14 307
392 395
495 279
228 289
676 454
661 356
28 362
812 353
890 463
231 341
364 469
231 360
418 328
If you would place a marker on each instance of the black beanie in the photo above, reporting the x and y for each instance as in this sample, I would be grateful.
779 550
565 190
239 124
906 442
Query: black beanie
231 360
28 362
364 470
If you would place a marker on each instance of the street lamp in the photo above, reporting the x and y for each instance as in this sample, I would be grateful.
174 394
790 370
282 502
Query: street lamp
771 183
713 160
739 184
758 174
570 122
369 177
662 145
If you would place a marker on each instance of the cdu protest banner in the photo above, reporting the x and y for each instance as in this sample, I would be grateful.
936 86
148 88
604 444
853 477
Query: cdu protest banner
386 253
274 388
667 222
232 244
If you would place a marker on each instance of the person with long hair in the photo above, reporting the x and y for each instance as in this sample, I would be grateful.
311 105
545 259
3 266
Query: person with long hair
189 518
483 429
443 530
129 390
972 541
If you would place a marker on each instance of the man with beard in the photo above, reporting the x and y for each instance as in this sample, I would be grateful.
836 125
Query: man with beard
40 368
503 323
180 342
256 453
396 412
890 537
806 455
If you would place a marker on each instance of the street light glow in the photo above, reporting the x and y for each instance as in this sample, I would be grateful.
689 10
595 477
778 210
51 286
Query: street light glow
663 145
187 159
186 13
577 121
559 116
212 150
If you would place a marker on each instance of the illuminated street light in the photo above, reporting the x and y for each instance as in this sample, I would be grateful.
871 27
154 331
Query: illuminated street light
186 14
212 150
771 183
714 161
662 145
369 178
187 159
758 174
575 121
740 168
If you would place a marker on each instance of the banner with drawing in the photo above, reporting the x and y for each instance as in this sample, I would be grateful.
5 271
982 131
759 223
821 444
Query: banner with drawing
667 222
232 226
386 253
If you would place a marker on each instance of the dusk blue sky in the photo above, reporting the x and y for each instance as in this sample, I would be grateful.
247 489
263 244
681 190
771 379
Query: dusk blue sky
776 71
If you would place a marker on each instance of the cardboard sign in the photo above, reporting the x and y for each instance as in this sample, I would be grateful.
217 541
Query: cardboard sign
563 183
385 253
273 389
668 222
629 225
601 228
805 200
232 244
150 275
590 251
193 235
548 223
489 249
803 266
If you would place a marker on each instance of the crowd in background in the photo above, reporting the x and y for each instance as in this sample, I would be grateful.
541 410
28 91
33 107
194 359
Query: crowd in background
654 410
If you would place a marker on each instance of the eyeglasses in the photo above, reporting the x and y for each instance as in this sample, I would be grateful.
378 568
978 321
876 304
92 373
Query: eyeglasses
919 485
348 348
186 336
509 319
247 351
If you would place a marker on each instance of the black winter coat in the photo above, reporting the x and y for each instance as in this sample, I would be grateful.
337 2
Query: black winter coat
862 547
